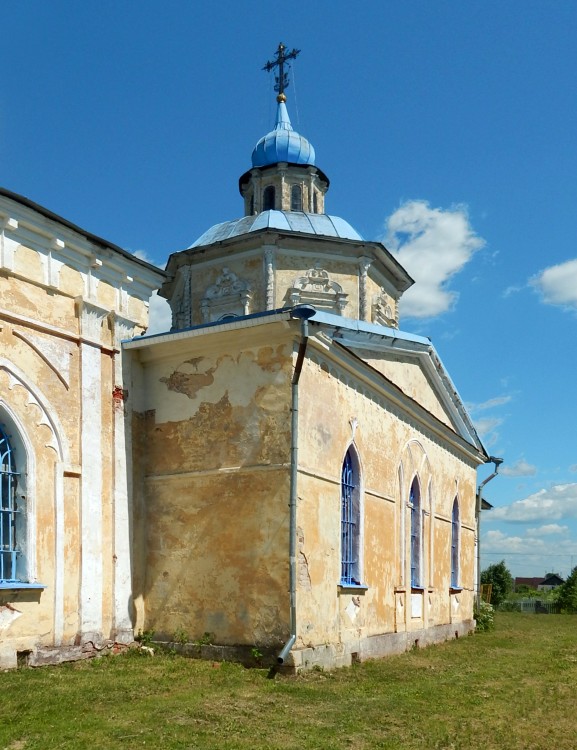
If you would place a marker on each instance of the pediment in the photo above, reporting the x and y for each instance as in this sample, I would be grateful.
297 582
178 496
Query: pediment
413 366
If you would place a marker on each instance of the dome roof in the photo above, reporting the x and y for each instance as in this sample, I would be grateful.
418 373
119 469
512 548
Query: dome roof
282 144
287 221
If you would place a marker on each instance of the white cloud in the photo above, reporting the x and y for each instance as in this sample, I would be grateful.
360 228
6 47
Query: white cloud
143 255
433 244
490 404
486 425
548 529
558 284
553 504
496 541
160 316
159 313
534 553
520 468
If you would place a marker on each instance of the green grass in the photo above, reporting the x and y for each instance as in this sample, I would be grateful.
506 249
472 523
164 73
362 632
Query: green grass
510 689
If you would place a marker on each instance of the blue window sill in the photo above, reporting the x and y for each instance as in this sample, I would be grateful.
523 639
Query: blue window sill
455 589
17 585
352 586
417 588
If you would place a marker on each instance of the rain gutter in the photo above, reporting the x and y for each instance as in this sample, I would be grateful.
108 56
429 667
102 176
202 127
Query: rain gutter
302 313
479 507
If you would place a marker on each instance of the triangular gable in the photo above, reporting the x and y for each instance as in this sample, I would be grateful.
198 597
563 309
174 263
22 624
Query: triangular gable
412 364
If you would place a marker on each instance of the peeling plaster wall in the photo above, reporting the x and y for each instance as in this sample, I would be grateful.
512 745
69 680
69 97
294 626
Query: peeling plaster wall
214 438
336 411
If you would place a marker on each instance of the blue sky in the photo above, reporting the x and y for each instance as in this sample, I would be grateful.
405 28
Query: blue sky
447 130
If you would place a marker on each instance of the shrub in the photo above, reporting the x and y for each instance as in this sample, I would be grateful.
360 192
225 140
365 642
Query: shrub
485 616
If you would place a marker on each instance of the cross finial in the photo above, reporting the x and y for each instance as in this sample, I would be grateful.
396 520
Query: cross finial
281 79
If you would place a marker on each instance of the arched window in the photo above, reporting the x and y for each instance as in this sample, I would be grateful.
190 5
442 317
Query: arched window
455 533
268 198
350 521
12 513
296 198
416 533
315 203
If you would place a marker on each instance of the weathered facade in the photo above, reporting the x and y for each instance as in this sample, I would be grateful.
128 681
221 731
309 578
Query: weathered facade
67 299
285 470
285 372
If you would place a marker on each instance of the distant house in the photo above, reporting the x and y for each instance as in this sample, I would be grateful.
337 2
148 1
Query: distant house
551 581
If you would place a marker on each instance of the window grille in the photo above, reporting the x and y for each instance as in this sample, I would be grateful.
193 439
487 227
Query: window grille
416 526
268 198
349 523
10 513
455 545
296 198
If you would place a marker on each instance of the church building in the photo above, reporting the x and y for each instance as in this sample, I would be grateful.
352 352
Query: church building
285 471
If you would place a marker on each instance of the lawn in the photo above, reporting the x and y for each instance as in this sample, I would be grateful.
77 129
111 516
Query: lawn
513 689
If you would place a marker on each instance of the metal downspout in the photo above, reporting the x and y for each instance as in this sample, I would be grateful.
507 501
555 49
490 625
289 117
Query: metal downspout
497 462
303 313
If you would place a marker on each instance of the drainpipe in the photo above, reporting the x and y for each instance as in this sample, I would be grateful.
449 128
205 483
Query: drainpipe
497 462
302 313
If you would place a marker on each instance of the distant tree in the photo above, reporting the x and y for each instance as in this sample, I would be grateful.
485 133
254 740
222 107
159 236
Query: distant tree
501 580
566 593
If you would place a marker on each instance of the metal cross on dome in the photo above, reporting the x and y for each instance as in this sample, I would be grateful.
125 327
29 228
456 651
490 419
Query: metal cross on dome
281 79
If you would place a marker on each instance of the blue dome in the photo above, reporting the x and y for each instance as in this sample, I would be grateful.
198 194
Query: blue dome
282 144
322 225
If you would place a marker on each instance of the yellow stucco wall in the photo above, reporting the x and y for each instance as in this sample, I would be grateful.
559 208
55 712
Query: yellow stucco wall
214 499
214 441
336 413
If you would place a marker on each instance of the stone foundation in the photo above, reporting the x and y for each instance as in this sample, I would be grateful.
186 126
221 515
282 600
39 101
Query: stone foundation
332 656
41 656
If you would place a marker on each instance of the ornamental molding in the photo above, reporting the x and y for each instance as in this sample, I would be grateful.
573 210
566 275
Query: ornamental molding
316 288
47 415
57 354
269 277
229 296
382 312
91 318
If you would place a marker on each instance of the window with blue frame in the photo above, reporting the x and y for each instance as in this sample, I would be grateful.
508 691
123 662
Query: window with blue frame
416 533
350 522
455 532
12 513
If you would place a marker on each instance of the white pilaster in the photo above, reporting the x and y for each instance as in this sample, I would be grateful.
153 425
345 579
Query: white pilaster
91 587
123 625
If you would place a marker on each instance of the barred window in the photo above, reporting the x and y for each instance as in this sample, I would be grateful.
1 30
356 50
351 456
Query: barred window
350 521
416 533
455 533
12 514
